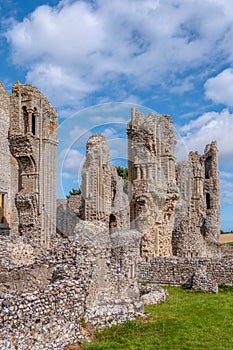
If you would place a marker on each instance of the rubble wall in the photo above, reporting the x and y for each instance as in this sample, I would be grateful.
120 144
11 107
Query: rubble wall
75 286
180 271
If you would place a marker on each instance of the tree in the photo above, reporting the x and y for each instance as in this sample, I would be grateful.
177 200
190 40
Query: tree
123 172
74 192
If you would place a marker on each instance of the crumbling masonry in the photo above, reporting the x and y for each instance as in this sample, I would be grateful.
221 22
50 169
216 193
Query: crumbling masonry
28 189
55 288
103 197
153 191
175 206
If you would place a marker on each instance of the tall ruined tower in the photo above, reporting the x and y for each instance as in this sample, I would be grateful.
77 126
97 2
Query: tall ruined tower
33 143
152 187
197 223
96 180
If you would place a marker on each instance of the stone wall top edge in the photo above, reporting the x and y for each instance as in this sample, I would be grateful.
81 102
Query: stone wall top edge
34 90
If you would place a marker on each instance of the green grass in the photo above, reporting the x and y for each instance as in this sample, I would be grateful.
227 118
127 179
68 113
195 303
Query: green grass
187 320
230 243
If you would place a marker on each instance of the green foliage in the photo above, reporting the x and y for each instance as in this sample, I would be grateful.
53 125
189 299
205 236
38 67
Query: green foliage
74 192
184 321
123 172
230 243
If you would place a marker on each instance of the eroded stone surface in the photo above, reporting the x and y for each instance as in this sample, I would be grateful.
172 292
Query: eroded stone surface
197 219
152 188
89 281
29 154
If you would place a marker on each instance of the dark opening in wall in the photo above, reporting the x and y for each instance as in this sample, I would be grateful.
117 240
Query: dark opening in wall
112 221
25 119
2 208
208 201
33 124
208 167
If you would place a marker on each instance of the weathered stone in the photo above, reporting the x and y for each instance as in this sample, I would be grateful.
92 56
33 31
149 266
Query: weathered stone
201 282
28 193
152 294
152 189
197 219
54 287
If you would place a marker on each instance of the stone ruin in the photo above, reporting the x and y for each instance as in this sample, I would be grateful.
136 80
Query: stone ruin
175 206
103 197
28 158
197 223
56 284
153 190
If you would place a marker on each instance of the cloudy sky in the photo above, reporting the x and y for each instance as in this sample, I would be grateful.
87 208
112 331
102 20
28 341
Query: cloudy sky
94 59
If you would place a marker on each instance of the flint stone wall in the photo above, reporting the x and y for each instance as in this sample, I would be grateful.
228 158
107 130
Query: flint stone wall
84 285
181 271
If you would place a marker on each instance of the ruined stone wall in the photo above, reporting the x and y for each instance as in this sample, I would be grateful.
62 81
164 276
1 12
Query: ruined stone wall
197 219
212 192
96 180
89 280
102 192
33 142
180 271
152 188
8 171
119 217
66 217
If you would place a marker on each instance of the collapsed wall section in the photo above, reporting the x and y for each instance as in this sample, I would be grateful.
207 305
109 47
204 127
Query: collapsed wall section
91 280
197 220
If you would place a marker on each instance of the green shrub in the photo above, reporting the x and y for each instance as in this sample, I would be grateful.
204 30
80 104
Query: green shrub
74 192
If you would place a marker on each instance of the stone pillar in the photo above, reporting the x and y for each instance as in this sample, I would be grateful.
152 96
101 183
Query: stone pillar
143 171
132 114
149 171
138 172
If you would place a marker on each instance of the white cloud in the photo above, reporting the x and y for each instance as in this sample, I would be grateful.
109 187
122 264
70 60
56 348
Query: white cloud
72 160
199 122
79 47
220 88
208 127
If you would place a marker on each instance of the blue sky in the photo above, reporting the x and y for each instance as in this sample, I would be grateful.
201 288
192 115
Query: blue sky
95 59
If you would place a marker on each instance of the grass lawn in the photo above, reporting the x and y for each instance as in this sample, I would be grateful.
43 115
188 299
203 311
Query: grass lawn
187 320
